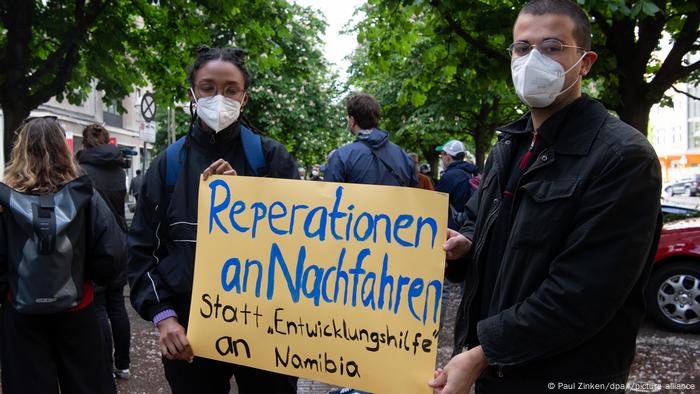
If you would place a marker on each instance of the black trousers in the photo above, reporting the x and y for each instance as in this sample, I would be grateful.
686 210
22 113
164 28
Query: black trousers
42 352
111 312
209 376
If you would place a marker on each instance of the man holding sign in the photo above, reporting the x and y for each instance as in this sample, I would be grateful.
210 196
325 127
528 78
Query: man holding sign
163 234
561 234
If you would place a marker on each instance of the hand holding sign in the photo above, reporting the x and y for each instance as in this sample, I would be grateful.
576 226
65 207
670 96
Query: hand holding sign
335 282
219 167
173 342
460 373
457 245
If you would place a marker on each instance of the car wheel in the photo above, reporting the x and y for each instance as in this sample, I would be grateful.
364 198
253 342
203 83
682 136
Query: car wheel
673 296
687 192
669 191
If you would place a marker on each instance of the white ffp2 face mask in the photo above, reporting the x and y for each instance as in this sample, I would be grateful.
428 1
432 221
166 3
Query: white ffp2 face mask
218 112
538 79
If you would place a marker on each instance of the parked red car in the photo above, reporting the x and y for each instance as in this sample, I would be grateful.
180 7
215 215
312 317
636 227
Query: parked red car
673 292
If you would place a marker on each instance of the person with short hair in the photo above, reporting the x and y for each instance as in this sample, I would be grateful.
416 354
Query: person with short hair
372 158
316 173
135 185
560 236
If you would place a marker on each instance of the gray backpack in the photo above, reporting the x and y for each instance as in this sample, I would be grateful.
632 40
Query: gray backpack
46 246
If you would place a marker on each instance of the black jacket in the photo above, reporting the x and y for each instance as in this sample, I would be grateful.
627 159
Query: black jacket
455 182
568 298
104 165
162 239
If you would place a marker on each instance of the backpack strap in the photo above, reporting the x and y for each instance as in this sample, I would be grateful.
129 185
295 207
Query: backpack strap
45 224
388 168
252 148
173 163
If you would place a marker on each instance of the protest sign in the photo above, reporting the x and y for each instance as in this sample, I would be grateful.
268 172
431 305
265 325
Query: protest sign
339 283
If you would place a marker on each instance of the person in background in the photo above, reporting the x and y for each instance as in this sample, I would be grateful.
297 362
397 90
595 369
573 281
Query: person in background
135 185
163 235
455 181
371 158
425 170
316 173
103 163
302 173
56 344
561 235
424 182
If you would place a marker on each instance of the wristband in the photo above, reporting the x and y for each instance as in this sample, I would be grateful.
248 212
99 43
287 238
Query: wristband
160 316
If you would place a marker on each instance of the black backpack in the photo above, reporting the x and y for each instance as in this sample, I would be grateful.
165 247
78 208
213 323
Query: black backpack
46 247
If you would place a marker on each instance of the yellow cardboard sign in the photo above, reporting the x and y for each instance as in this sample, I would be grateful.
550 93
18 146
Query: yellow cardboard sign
333 282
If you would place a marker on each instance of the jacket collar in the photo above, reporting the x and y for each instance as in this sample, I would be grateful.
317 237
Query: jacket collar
571 130
223 137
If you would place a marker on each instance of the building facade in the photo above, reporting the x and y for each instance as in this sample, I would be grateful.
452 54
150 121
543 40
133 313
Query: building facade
133 134
675 133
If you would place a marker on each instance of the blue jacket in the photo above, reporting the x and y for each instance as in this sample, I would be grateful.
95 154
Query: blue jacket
356 162
455 182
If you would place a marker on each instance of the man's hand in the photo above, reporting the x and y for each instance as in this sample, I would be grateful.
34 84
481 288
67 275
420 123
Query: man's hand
173 341
457 245
219 167
460 373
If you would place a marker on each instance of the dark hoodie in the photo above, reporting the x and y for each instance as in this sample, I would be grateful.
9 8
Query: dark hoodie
103 164
455 182
359 162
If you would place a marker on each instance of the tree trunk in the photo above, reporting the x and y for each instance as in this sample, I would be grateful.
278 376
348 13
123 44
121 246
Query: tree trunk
12 118
636 114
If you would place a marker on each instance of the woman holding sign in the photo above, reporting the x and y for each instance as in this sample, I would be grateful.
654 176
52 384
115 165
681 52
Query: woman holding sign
162 240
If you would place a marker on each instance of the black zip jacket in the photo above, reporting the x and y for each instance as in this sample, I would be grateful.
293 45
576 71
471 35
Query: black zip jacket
568 297
104 165
162 240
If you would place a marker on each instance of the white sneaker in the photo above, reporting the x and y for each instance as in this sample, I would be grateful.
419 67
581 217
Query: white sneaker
122 373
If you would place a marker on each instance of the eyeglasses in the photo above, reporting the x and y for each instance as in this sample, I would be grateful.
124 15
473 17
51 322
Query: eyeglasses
550 47
208 90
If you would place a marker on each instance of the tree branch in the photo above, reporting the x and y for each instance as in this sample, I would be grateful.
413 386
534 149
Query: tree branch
83 21
62 61
650 30
686 93
672 68
459 30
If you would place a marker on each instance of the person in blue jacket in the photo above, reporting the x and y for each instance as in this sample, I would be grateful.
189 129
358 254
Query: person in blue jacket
371 158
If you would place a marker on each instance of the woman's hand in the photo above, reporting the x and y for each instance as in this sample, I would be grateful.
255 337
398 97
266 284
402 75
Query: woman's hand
173 342
219 167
